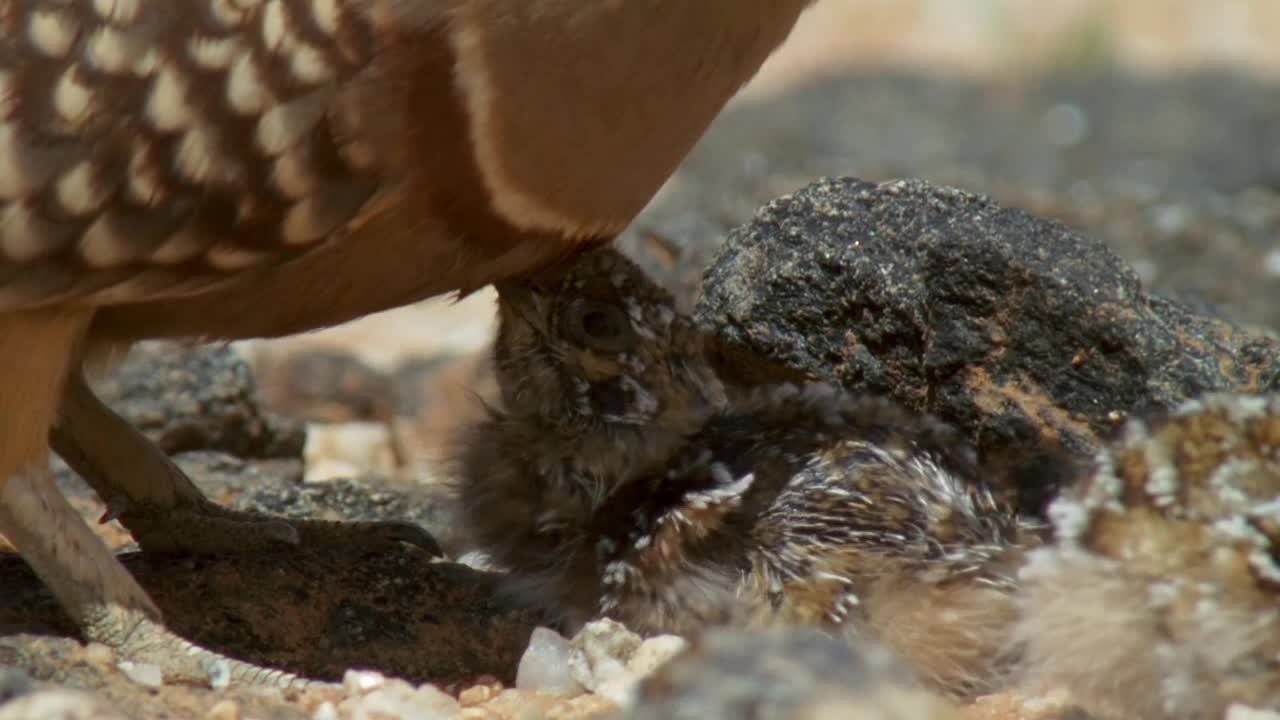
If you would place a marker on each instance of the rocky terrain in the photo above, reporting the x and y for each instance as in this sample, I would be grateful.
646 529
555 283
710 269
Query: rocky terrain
1011 326
1125 256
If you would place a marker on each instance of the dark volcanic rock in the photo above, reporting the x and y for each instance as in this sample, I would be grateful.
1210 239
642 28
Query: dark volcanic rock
198 398
1013 327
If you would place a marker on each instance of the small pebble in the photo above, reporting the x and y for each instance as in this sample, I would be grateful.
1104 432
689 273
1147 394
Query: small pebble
350 449
523 705
142 673
1065 124
326 711
62 704
223 710
362 681
1240 712
399 700
653 653
1272 263
220 674
432 697
477 695
581 707
599 658
99 655
619 689
14 682
394 699
544 667
1054 700
329 470
600 652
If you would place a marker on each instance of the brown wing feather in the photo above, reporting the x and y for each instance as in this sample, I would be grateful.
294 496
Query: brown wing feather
155 147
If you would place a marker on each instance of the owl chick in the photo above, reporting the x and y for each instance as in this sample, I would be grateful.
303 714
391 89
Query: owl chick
1160 595
616 479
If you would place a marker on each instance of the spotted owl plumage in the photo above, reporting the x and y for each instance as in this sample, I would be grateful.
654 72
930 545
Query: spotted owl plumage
150 148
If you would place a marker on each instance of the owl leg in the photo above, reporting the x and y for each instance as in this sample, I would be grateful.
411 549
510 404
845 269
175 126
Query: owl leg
163 508
36 351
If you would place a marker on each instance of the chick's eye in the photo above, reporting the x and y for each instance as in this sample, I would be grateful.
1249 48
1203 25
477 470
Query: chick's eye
600 326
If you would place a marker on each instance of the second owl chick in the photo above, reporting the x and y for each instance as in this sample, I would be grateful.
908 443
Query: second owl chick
1160 595
617 480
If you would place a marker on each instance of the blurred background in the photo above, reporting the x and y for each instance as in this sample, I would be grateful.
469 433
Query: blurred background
1153 125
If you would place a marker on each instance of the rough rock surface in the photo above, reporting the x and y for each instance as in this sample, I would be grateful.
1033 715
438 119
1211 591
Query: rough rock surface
1015 328
198 398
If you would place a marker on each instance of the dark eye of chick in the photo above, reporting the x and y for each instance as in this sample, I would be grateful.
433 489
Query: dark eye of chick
599 326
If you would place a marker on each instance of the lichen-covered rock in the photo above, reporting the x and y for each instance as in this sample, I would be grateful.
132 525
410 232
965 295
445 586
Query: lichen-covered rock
1014 328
